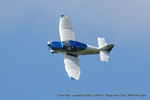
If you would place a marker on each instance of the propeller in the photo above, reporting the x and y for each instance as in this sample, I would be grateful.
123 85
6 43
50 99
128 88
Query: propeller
49 44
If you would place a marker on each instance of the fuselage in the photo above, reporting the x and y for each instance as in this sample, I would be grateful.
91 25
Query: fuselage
72 47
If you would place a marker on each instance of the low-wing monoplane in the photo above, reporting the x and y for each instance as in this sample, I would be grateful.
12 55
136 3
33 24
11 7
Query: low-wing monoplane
71 48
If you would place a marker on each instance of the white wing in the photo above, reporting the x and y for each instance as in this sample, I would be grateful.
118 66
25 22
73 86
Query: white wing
65 29
72 66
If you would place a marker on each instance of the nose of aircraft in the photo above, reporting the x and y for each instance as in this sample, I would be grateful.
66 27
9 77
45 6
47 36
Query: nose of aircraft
49 43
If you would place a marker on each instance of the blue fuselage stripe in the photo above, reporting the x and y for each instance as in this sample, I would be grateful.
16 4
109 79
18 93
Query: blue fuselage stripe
71 46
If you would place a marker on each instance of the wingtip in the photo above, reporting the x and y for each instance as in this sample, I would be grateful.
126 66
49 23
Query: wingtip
73 78
61 16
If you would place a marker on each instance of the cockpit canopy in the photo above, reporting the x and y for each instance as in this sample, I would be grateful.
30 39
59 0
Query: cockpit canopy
76 44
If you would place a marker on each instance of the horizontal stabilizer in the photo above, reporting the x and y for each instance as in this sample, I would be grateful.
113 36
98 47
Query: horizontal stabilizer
104 56
101 42
104 49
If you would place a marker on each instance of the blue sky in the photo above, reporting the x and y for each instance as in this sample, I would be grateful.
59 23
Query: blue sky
29 72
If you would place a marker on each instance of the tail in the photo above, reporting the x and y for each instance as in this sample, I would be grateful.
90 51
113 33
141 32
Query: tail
104 49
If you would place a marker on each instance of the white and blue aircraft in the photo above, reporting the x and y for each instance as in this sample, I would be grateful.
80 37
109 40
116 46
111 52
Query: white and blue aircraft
71 49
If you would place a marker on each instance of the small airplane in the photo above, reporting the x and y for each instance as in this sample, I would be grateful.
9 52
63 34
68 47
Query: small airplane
71 49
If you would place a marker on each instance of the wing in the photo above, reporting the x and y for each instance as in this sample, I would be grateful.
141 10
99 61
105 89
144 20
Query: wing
72 66
65 29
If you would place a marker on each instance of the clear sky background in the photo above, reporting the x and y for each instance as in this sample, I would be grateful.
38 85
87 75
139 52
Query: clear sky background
29 72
